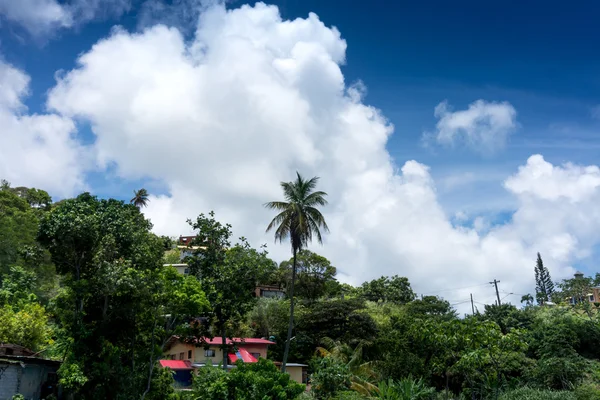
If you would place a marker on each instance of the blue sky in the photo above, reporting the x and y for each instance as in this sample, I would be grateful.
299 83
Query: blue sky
536 58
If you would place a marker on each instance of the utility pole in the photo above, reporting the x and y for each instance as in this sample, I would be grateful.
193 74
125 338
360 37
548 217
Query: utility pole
472 306
495 283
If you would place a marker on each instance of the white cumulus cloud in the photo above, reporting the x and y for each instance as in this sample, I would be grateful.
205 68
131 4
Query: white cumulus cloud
42 17
36 150
483 126
222 119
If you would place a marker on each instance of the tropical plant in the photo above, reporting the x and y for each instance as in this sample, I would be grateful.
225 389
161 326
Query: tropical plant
330 378
140 198
248 381
299 220
405 389
362 373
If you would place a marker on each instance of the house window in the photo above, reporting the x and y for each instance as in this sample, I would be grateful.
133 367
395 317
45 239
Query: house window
209 353
186 271
9 352
181 356
592 298
189 354
255 355
172 356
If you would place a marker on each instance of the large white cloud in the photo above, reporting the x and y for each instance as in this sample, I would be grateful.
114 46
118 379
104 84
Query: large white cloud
221 120
36 150
483 126
42 17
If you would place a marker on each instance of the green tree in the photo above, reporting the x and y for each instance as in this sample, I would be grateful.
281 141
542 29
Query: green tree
228 275
260 380
575 290
140 198
315 276
544 288
269 316
362 373
395 290
117 304
26 325
299 219
331 376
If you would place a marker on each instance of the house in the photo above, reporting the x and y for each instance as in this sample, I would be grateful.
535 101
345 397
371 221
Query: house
273 292
183 269
9 349
298 372
33 377
591 294
248 350
182 371
210 352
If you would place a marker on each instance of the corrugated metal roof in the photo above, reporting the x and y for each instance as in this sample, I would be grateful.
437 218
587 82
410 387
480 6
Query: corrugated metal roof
242 354
176 364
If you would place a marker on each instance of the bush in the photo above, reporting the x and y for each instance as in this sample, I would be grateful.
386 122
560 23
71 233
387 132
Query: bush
252 381
405 389
587 391
349 395
561 373
329 378
537 394
161 387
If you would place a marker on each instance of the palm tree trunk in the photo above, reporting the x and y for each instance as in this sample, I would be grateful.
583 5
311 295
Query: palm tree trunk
225 348
291 323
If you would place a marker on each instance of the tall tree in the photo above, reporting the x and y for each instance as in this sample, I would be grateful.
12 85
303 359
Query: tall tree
140 198
544 288
228 275
298 220
118 302
315 276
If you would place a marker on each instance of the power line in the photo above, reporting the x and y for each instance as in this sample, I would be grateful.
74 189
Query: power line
495 283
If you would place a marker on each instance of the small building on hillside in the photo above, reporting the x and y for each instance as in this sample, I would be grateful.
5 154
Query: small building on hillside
210 352
33 377
297 372
182 371
269 291
9 349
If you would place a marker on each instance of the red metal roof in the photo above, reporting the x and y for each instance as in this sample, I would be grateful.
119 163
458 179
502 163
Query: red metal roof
176 364
243 354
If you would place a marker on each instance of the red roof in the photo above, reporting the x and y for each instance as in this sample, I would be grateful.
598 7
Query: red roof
176 364
218 341
243 354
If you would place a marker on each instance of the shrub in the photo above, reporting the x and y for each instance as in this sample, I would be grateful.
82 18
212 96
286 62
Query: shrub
537 394
349 395
587 391
329 378
247 381
405 389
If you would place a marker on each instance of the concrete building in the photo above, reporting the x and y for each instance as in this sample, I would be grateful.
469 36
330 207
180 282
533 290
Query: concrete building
33 377
246 349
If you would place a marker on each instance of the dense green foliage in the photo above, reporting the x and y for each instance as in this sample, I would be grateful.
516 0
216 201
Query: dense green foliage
83 281
261 380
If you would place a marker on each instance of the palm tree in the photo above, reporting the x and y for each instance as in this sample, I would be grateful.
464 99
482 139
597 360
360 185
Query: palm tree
362 372
299 220
140 198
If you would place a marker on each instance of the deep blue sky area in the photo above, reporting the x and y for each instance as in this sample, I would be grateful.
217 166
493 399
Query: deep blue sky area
540 56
